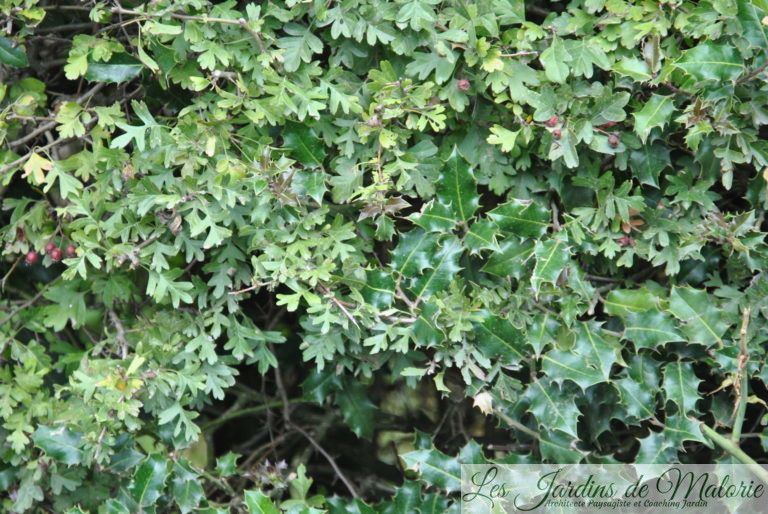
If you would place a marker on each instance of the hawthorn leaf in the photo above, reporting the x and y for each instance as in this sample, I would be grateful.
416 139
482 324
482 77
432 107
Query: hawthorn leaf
555 61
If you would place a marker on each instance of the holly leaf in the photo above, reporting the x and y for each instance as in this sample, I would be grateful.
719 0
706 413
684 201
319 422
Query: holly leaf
621 302
712 61
551 258
587 363
655 113
414 252
259 503
119 68
443 266
522 217
650 329
656 449
497 337
61 444
305 146
435 468
436 216
379 288
481 236
425 331
356 409
649 161
457 187
704 322
553 405
681 385
512 259
12 56
149 480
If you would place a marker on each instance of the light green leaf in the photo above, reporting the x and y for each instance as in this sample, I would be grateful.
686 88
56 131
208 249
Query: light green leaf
555 59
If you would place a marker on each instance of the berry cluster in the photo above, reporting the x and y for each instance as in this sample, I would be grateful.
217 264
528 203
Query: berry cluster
55 253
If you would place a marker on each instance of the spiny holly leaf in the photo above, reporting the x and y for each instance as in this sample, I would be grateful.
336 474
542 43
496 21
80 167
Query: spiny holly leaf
497 337
635 399
149 480
649 161
587 363
305 146
621 302
259 503
557 447
553 405
425 330
481 236
443 266
656 449
678 429
704 322
655 113
435 468
522 217
61 444
186 488
681 385
712 61
551 258
414 252
751 16
512 259
320 384
356 408
379 288
650 329
436 216
457 187
12 56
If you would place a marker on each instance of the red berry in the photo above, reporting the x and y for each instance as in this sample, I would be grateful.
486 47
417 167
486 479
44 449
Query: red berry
463 85
608 125
56 255
613 140
71 251
556 133
31 257
551 122
49 246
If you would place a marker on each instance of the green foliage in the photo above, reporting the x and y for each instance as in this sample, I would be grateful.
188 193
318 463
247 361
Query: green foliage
365 217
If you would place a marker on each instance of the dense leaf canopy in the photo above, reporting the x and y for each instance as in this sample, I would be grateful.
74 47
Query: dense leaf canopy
312 256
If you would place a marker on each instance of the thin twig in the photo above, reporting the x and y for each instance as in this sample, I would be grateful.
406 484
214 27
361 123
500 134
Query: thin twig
254 286
120 339
27 303
741 381
734 450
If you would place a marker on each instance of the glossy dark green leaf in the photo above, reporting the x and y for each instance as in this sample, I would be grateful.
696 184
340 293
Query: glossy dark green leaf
436 217
620 302
310 183
187 493
435 468
553 405
305 146
12 56
512 260
443 267
522 217
481 236
149 480
414 252
704 322
497 337
551 258
649 161
320 384
457 188
712 61
259 503
751 16
558 447
356 408
60 443
226 464
651 328
589 362
425 329
119 68
656 112
656 449
379 289
678 429
681 385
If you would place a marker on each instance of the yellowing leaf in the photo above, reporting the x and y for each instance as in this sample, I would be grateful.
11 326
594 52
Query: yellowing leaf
37 166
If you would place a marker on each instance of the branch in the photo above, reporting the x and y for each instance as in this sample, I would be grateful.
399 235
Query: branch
737 452
741 381
27 303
